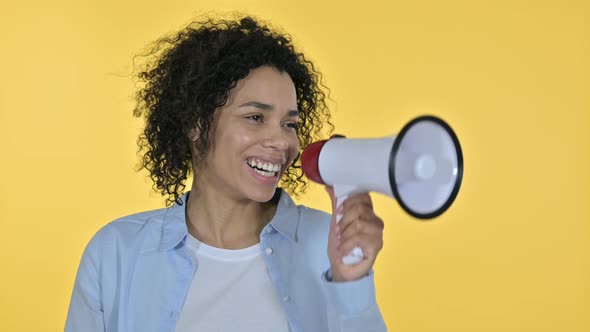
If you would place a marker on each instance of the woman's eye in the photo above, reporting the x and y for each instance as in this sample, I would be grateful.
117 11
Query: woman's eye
293 125
257 117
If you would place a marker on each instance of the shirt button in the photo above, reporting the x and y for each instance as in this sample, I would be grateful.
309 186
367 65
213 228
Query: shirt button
286 299
269 229
268 251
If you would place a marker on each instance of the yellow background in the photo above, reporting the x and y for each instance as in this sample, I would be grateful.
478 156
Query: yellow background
511 77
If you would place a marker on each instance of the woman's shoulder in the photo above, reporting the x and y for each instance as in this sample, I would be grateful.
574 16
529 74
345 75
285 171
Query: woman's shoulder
304 219
133 223
313 223
129 231
314 216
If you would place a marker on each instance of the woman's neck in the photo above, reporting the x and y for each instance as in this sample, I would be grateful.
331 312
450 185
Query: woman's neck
220 221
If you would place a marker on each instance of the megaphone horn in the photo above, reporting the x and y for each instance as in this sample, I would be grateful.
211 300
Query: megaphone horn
421 167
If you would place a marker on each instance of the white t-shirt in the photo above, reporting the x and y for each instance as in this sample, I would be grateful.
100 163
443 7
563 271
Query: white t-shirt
231 291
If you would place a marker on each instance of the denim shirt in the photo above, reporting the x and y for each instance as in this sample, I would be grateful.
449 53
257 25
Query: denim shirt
136 271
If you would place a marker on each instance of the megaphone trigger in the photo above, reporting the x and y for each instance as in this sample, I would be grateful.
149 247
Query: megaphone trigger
341 193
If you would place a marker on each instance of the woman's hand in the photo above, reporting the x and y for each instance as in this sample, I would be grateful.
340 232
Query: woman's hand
360 227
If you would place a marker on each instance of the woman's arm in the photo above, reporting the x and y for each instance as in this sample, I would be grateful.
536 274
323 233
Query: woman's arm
352 306
86 312
350 289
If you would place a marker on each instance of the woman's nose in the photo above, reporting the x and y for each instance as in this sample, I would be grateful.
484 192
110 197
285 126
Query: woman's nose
277 139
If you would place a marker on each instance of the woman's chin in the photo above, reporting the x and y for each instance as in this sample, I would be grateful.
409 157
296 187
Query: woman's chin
262 196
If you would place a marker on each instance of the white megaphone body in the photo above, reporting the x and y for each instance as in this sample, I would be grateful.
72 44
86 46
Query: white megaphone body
421 167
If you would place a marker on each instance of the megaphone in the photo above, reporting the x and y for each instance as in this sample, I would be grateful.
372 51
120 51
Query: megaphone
421 167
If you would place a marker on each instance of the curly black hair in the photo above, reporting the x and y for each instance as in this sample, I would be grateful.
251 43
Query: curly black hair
188 75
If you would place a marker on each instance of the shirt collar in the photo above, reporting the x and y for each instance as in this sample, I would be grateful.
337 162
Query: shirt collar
285 221
174 230
286 218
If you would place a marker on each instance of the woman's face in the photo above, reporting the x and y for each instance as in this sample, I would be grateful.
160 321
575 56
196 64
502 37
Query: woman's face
254 137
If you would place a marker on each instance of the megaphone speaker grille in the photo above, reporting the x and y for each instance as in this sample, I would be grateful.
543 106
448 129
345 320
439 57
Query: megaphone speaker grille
426 167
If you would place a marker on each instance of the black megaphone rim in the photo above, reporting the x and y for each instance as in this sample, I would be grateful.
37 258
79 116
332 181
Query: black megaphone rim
393 155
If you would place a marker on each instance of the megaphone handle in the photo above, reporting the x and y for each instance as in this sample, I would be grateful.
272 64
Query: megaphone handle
356 255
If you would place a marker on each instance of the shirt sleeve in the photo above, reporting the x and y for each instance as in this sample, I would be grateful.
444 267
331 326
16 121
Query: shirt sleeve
352 306
86 312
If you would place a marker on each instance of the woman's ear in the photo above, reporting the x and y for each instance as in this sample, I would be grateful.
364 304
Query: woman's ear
193 134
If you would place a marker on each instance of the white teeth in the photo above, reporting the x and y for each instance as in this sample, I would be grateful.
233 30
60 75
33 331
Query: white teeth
264 165
269 174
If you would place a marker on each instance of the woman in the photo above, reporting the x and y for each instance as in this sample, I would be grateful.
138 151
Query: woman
232 103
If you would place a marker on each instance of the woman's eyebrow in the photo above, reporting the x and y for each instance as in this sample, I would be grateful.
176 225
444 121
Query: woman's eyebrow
267 107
